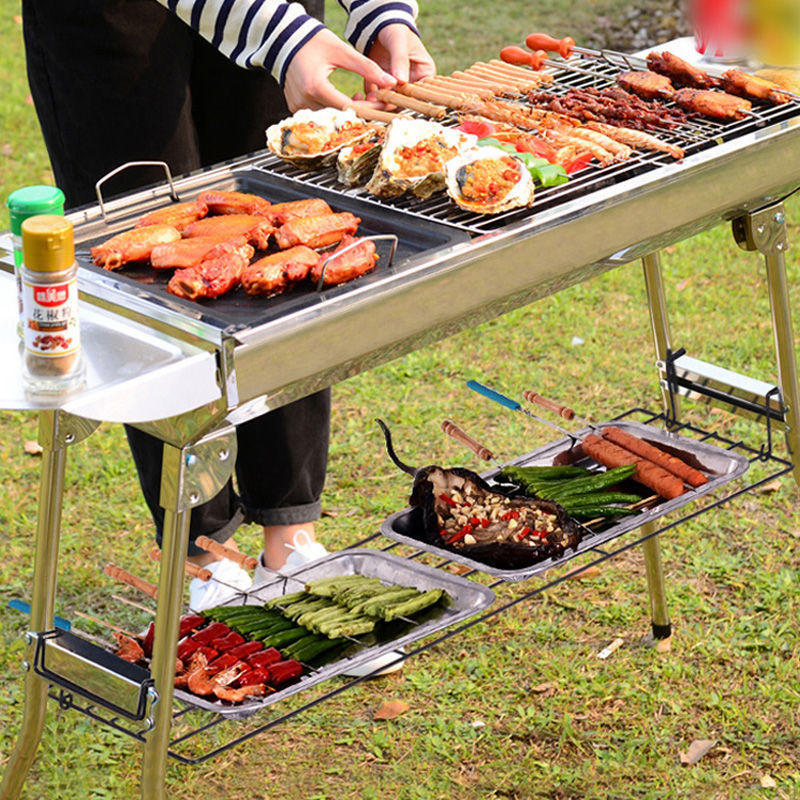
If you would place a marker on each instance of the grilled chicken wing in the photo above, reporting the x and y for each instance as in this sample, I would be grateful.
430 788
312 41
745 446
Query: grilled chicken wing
281 213
179 215
188 253
718 105
275 273
133 245
235 203
316 231
737 82
127 648
256 229
358 261
681 72
219 272
647 84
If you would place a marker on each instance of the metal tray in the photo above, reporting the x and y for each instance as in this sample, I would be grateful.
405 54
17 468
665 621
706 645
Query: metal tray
237 310
719 465
466 599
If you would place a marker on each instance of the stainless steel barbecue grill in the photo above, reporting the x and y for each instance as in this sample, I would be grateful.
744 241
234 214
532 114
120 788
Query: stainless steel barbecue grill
452 270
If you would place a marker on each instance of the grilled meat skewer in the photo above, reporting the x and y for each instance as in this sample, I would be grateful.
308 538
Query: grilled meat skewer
647 84
740 83
681 72
718 105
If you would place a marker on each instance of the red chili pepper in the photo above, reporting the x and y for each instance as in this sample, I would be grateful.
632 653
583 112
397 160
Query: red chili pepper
540 534
222 662
189 623
514 514
252 676
460 534
526 531
485 523
475 521
284 671
246 649
447 499
227 642
214 631
147 641
264 658
579 162
506 517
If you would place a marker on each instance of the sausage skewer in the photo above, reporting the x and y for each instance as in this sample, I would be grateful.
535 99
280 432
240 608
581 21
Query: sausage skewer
401 101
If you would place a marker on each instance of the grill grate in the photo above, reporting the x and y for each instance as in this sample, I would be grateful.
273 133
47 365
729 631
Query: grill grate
694 136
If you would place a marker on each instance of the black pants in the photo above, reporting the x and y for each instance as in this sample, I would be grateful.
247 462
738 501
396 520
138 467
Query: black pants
125 80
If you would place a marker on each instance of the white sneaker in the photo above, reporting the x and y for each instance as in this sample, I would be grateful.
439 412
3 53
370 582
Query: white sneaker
228 579
304 550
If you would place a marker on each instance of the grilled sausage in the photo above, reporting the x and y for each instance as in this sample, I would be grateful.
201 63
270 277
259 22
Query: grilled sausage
641 448
647 473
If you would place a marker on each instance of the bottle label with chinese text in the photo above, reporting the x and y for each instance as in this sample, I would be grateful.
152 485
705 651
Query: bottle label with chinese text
50 313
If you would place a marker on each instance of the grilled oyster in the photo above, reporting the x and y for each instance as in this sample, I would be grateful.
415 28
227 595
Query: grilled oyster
413 157
487 181
311 139
356 162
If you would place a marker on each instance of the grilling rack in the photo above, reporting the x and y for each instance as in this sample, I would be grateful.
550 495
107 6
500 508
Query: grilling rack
694 136
740 173
191 725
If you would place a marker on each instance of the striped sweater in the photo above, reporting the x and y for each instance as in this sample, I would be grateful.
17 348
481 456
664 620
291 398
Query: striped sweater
267 33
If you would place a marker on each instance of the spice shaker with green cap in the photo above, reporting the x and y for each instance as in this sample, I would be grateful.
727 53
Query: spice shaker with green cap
28 202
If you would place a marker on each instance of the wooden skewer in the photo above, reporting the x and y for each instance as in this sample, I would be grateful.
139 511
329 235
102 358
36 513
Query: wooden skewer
371 114
219 550
191 569
121 575
400 100
105 624
132 603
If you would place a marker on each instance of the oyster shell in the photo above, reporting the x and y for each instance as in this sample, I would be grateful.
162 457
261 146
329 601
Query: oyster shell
356 162
311 139
413 157
486 165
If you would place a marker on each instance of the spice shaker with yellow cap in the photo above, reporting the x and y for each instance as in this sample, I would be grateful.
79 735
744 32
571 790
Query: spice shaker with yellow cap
51 360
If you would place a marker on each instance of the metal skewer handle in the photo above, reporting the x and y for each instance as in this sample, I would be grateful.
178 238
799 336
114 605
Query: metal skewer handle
553 405
219 550
462 437
190 569
122 576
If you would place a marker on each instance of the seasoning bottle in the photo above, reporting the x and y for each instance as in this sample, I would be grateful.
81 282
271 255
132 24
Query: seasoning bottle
28 202
51 360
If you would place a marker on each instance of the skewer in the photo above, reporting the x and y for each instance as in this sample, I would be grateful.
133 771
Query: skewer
122 576
190 569
538 59
133 604
553 405
462 437
219 550
105 624
514 405
566 47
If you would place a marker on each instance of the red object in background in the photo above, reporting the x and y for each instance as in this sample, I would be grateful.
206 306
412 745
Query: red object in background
578 162
720 28
477 127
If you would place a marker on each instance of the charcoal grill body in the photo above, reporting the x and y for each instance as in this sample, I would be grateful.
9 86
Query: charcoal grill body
243 370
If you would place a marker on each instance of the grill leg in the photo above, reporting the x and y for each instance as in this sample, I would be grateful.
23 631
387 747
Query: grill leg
651 548
190 476
659 322
765 231
56 432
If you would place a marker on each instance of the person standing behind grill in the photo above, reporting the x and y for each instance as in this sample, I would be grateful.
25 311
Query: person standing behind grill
193 83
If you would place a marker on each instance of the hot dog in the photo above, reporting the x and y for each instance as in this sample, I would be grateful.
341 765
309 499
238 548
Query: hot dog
641 448
647 473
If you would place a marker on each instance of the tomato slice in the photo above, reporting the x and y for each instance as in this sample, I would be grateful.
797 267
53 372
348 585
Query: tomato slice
539 147
579 162
477 127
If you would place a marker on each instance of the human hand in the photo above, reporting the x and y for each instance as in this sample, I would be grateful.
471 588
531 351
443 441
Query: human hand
307 84
399 51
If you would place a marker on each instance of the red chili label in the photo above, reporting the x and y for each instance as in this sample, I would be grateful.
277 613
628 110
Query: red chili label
50 296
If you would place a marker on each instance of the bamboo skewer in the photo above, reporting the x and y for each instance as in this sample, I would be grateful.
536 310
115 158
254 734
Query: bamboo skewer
105 624
122 576
219 550
133 604
191 569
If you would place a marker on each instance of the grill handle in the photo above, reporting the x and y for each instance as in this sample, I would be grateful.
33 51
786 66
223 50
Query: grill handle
550 405
123 576
376 238
98 191
462 437
219 550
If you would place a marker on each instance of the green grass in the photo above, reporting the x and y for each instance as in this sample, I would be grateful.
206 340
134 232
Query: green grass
477 727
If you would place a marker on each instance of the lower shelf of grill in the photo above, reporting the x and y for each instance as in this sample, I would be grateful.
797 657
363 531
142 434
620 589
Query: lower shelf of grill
202 735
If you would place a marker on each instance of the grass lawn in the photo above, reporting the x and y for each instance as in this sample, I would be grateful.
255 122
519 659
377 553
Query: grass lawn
520 707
